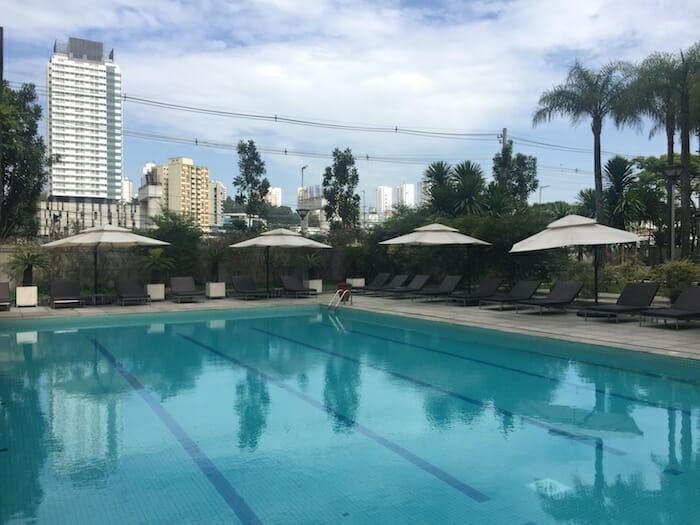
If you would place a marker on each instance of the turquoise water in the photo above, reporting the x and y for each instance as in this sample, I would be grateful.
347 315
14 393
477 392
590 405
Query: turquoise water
287 415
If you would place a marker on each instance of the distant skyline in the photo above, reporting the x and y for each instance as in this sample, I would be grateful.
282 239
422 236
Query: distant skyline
440 66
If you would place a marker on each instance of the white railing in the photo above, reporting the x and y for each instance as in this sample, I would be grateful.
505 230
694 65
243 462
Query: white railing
340 296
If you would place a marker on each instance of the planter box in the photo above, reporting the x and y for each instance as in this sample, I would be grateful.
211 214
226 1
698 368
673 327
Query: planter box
26 296
215 290
356 282
156 291
316 284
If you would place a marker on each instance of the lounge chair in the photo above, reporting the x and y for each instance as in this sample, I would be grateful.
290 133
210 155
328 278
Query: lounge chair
560 296
416 284
521 291
4 296
684 308
244 288
396 281
65 292
635 298
293 287
446 287
130 291
182 289
486 288
380 280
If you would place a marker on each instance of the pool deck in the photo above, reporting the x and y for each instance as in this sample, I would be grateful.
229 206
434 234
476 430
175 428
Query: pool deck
626 333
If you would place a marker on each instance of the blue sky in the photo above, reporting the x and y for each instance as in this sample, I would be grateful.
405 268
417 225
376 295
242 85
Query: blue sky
453 66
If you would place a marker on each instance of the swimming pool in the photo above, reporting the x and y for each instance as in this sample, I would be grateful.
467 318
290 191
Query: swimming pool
289 415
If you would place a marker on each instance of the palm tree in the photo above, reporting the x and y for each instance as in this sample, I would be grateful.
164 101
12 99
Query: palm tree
469 187
586 202
437 177
590 94
622 205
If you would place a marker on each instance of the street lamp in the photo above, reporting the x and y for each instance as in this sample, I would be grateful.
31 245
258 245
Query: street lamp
672 172
541 188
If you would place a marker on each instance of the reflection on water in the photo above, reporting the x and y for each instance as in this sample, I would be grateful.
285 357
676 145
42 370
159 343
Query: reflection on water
64 409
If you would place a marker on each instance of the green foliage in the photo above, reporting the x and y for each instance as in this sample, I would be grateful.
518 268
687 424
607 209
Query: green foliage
439 192
621 201
469 186
313 263
676 275
580 270
25 258
251 184
630 271
517 176
215 252
157 263
183 235
282 217
339 183
24 164
586 202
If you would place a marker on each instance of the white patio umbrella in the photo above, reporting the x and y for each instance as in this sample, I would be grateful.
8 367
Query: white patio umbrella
279 238
575 230
106 235
436 235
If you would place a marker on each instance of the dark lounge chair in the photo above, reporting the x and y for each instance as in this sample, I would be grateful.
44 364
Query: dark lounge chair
685 308
521 291
183 290
380 280
4 296
130 291
396 281
244 288
65 292
446 287
293 287
416 284
560 296
635 298
486 288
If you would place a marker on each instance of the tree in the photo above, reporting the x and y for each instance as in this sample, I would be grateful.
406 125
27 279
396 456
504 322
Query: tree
586 202
517 176
23 161
469 187
251 184
437 178
622 205
182 233
339 183
592 94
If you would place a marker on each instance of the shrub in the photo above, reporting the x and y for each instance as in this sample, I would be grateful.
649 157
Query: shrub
676 275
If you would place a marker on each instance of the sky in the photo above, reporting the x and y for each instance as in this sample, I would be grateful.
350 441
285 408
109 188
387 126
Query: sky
457 72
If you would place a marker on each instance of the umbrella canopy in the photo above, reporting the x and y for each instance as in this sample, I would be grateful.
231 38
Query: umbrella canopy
574 230
279 238
434 234
106 235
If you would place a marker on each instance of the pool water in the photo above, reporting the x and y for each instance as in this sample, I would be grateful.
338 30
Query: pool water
292 415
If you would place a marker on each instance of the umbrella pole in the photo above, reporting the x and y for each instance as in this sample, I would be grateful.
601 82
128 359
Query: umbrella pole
595 273
94 256
267 269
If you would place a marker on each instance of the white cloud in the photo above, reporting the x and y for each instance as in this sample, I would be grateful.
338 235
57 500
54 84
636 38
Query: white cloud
448 66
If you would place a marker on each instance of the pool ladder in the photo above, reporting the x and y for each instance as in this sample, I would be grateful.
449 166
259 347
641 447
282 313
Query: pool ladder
339 297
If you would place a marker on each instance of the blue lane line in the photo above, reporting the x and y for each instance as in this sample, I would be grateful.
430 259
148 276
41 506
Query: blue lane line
511 369
419 462
551 428
234 500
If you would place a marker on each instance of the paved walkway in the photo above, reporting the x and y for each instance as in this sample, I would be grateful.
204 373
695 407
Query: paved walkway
652 338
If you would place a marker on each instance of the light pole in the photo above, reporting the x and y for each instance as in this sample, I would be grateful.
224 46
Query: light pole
672 172
541 188
302 211
302 178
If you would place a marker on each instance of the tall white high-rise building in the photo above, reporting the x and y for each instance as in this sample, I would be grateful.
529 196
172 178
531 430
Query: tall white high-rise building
405 195
384 201
84 121
217 196
274 197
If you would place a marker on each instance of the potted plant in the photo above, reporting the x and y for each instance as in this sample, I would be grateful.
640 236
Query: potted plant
313 263
156 263
215 254
24 260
